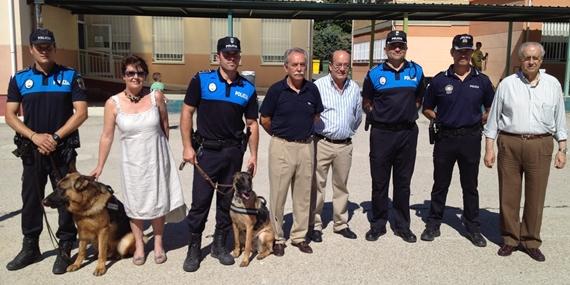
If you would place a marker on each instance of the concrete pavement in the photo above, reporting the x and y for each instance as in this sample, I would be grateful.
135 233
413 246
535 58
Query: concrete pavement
451 258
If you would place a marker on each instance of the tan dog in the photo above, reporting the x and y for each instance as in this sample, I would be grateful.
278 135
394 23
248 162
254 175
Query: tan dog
250 220
99 216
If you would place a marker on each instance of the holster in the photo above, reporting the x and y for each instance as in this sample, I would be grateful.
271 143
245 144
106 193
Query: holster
24 146
245 140
433 130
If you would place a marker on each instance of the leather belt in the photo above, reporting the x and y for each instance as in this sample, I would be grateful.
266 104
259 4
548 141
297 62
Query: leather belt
394 127
305 141
526 136
343 141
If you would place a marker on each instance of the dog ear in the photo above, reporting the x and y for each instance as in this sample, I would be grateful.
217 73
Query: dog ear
82 181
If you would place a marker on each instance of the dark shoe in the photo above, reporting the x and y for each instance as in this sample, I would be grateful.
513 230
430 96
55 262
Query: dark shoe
219 249
429 234
316 236
535 254
406 235
347 233
29 254
194 254
506 250
303 247
477 239
63 258
373 234
279 249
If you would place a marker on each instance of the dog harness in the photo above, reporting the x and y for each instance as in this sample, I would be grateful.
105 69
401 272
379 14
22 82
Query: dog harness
238 206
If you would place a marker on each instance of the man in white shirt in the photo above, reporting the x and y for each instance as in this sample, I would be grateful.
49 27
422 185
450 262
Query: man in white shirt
528 111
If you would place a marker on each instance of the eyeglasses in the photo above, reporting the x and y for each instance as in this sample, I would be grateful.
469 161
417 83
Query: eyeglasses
338 66
401 46
133 73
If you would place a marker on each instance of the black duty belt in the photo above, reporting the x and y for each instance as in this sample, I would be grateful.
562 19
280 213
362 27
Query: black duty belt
526 136
466 131
394 127
307 140
343 141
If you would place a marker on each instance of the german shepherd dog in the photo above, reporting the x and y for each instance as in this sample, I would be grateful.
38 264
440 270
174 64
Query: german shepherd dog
250 220
99 216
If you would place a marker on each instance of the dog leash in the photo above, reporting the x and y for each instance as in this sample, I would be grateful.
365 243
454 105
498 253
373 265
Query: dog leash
204 175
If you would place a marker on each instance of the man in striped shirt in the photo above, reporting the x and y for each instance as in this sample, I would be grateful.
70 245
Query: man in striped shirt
333 146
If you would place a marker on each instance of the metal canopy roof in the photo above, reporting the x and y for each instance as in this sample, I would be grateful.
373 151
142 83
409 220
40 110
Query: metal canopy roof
313 10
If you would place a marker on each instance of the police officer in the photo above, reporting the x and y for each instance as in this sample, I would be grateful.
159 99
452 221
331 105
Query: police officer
54 103
392 94
458 94
221 98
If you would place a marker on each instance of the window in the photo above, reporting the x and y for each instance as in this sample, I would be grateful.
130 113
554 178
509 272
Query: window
168 39
555 40
275 39
219 29
361 52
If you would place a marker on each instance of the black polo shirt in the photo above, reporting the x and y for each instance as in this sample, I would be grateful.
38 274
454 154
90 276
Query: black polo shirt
292 114
459 102
47 100
221 106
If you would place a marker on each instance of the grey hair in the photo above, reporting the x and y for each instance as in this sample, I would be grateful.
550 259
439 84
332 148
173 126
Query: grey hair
528 44
295 50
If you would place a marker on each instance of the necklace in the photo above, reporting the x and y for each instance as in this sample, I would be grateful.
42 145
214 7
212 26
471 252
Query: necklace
133 98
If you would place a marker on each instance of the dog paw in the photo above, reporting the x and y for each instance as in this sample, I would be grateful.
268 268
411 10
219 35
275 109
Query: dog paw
99 271
244 263
236 253
72 268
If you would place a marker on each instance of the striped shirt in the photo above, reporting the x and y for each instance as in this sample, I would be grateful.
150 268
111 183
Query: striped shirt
343 110
520 108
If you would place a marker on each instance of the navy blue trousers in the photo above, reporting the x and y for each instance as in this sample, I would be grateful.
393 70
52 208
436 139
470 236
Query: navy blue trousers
392 151
466 151
220 165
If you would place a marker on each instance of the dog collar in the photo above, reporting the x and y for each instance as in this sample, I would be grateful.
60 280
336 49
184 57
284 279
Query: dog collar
243 210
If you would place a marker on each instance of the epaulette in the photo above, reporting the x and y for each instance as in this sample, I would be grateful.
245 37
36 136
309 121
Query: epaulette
205 71
24 70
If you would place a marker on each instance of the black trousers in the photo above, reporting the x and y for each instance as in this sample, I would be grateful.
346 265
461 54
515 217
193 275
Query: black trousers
392 151
220 165
466 151
37 168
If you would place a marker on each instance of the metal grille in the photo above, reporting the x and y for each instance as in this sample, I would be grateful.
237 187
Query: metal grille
111 33
219 29
276 38
168 39
555 41
361 51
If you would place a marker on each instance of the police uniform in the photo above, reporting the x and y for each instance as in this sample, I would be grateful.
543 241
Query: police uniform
220 125
393 138
47 102
458 139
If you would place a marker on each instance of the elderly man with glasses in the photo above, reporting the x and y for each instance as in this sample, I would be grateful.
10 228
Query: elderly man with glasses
392 93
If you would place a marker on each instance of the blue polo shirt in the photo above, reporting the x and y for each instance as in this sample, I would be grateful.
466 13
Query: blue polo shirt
292 115
221 106
394 93
459 102
47 100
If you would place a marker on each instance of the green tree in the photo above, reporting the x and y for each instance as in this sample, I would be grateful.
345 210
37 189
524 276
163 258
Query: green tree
328 39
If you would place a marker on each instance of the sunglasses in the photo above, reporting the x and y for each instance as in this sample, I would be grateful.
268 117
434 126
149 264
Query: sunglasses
400 46
133 73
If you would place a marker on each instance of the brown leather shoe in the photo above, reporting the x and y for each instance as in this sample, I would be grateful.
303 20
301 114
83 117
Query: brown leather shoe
506 250
303 247
278 249
535 254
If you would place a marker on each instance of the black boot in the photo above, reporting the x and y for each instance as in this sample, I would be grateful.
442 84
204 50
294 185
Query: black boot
29 254
194 255
63 259
219 250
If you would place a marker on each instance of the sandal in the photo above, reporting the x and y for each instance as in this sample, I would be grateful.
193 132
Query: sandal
160 258
139 260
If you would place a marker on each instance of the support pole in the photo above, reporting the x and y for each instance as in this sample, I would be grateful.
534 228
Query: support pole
567 74
38 6
406 22
509 44
13 57
371 51
230 24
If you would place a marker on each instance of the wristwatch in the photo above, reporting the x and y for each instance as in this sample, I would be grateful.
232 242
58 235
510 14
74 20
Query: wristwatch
56 138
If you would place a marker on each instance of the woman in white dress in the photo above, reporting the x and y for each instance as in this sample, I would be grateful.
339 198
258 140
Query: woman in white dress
150 183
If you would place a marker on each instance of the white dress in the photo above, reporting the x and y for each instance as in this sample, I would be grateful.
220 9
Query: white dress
150 183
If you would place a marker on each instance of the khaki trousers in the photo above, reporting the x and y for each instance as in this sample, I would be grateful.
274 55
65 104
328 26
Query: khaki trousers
290 164
339 157
531 157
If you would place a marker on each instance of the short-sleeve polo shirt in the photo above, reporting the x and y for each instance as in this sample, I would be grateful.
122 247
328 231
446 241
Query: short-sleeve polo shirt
292 114
221 105
47 100
459 102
